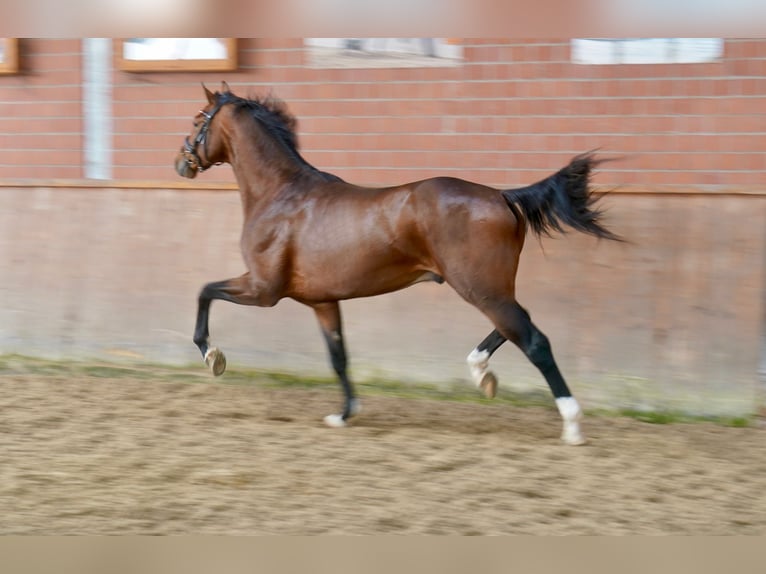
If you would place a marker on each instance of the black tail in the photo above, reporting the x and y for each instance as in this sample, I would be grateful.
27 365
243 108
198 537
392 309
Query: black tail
564 198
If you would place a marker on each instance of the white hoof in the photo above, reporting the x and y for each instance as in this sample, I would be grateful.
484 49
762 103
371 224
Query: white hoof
216 360
572 435
335 421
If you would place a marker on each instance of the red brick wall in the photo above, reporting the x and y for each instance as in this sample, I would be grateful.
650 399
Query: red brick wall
512 112
41 133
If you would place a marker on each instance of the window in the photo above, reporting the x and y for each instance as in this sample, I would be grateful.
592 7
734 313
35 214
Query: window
177 54
9 55
382 52
646 50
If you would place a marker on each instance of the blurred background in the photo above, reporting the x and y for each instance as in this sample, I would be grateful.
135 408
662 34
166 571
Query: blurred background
103 248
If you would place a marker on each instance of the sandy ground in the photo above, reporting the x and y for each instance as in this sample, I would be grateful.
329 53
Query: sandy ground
143 452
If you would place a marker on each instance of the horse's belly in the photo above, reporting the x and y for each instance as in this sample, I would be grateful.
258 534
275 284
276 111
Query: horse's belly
344 281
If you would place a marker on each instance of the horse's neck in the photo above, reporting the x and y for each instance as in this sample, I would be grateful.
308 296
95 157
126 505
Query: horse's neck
262 168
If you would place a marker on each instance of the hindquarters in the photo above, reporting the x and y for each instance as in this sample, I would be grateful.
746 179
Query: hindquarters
474 238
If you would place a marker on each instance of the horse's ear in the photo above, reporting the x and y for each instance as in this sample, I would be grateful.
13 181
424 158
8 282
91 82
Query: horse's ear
225 88
210 96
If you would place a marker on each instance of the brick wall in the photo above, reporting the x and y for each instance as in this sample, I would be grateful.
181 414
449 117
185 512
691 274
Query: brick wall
41 133
512 112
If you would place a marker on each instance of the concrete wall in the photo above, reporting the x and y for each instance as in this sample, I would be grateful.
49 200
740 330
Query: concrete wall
672 320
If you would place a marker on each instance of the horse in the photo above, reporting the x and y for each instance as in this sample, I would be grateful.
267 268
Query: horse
317 239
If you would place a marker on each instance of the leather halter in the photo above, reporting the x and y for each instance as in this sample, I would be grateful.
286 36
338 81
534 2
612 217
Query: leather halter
190 149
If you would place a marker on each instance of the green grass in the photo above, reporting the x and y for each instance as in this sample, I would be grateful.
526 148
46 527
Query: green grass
674 417
455 391
653 417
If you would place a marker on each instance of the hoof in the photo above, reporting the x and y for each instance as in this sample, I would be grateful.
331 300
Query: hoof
488 385
335 421
216 361
572 435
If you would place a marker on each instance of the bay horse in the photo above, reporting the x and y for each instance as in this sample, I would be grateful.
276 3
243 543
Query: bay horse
311 236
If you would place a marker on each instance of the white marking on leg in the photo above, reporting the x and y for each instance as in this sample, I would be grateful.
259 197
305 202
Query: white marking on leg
336 421
570 411
478 361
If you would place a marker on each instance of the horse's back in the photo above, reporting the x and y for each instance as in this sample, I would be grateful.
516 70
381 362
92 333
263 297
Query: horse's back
449 211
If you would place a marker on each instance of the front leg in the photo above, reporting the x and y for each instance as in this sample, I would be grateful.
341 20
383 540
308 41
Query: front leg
328 315
213 357
240 291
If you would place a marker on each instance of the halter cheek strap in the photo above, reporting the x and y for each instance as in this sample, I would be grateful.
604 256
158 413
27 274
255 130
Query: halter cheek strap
190 149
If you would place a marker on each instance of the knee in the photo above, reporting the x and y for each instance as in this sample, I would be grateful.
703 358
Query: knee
208 292
538 349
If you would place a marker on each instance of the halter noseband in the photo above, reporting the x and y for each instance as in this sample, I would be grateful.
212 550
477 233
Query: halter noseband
190 150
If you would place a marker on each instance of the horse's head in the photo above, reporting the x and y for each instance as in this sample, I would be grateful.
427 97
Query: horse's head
202 148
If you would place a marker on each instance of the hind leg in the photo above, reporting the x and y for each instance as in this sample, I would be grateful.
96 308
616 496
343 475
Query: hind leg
513 323
478 363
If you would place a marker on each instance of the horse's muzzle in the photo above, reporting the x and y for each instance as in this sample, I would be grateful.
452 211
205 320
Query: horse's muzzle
184 168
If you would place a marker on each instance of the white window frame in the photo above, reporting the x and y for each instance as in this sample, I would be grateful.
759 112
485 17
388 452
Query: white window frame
604 51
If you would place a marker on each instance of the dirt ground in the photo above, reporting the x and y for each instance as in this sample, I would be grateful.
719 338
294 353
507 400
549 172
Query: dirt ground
89 451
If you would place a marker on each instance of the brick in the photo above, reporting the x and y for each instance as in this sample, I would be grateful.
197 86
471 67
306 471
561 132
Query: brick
513 109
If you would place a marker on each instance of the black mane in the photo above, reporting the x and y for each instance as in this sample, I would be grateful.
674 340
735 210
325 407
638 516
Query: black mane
269 111
272 114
